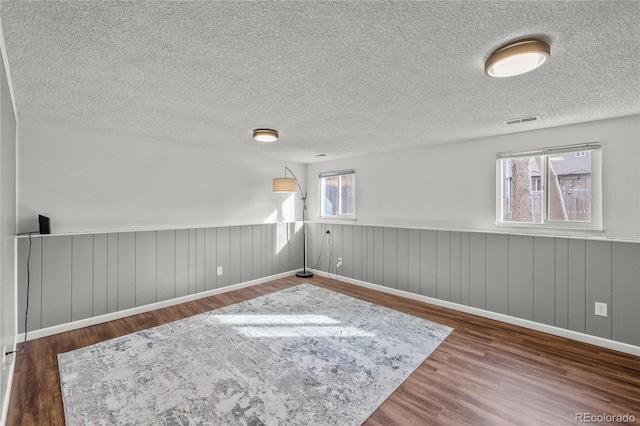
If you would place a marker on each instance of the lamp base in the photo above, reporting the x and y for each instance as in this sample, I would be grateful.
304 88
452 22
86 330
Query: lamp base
304 274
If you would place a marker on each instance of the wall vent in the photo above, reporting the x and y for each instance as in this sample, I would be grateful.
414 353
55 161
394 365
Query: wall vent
522 120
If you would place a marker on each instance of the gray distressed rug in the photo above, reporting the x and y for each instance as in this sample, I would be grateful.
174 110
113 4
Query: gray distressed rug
300 356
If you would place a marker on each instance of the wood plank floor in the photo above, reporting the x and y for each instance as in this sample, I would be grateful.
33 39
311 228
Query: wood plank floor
485 372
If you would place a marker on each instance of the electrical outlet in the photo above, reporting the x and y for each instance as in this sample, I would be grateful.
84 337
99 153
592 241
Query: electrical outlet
339 261
601 309
219 270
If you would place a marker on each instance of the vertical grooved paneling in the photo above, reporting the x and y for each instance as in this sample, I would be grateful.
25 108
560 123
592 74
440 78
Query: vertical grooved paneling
56 280
275 247
562 282
313 244
126 270
337 246
35 283
553 281
544 289
268 248
497 273
182 262
455 267
390 257
403 259
625 315
316 261
281 247
81 277
577 285
166 265
146 260
443 265
464 269
477 270
428 263
295 261
369 243
246 253
295 258
210 258
520 277
347 251
234 254
112 272
358 250
256 246
328 252
413 275
598 287
99 274
265 249
378 255
223 253
200 260
193 261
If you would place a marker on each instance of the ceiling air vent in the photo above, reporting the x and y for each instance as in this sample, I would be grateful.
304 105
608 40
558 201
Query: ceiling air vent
522 120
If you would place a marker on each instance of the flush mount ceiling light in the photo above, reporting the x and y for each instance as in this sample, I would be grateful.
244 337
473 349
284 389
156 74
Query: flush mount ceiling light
517 58
265 135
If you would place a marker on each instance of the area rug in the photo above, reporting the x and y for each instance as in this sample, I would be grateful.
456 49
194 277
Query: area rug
300 356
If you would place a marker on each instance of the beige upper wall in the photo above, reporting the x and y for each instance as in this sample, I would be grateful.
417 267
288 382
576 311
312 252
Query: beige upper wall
87 181
453 186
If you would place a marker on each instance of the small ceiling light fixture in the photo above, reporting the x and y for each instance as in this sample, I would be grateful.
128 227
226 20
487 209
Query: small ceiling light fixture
265 135
517 58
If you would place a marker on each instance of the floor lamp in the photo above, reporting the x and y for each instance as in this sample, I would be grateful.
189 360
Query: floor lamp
291 185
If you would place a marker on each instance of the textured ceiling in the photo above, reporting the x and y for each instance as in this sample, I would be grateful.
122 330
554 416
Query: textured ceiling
340 78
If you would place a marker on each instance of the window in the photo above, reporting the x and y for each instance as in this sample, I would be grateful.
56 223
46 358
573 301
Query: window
338 194
555 187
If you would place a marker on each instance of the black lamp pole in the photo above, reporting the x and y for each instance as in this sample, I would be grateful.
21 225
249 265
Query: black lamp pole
304 273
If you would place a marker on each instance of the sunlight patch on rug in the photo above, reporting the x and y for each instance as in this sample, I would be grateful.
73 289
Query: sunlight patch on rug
299 356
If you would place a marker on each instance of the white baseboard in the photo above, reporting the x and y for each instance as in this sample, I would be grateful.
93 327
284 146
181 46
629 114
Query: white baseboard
49 331
557 331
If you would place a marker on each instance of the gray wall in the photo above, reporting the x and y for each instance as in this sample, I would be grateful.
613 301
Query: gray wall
82 276
7 223
554 281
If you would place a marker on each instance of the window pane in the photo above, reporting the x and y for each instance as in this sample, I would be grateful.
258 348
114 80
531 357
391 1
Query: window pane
329 195
347 196
521 189
570 187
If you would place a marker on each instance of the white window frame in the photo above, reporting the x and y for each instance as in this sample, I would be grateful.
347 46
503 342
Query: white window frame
338 216
596 223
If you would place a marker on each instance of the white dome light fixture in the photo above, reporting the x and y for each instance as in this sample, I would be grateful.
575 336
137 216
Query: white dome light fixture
517 58
265 135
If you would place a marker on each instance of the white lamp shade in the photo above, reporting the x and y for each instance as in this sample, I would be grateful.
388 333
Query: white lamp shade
285 185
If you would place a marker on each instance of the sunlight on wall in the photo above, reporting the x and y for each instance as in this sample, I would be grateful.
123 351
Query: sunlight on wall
272 217
285 213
